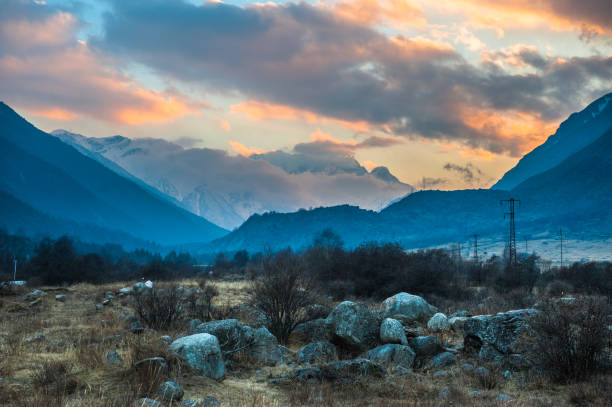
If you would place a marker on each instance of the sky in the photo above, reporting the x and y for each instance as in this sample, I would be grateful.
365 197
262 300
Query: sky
446 94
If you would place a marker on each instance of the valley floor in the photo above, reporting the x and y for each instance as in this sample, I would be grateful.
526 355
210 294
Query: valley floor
76 335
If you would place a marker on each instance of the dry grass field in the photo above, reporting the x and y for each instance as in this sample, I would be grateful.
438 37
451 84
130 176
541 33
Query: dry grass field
53 353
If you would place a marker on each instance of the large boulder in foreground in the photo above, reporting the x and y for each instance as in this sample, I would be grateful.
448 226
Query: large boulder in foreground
438 323
264 347
495 336
392 331
392 355
317 352
353 325
231 333
345 370
202 353
407 308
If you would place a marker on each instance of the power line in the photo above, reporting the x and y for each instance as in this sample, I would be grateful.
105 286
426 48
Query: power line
512 231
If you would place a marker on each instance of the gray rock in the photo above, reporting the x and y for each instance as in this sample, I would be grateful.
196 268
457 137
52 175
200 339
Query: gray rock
444 359
481 372
499 332
193 326
99 307
170 391
210 401
353 325
336 371
140 287
166 339
145 402
467 367
126 291
460 314
440 373
316 311
60 298
202 353
230 333
391 355
392 331
401 371
425 346
438 323
476 393
106 302
456 323
112 357
507 374
316 330
37 337
264 347
316 353
407 308
35 294
503 397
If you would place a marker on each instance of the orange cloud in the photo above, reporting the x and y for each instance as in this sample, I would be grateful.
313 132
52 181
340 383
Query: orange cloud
258 110
369 165
398 13
55 113
225 125
244 150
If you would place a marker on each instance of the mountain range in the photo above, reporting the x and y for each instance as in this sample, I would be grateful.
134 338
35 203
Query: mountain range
138 191
228 189
53 178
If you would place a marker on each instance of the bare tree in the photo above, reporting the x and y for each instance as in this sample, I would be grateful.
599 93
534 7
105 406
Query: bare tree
282 293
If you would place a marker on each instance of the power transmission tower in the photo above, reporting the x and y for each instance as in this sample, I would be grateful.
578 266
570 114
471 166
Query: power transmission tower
512 231
476 248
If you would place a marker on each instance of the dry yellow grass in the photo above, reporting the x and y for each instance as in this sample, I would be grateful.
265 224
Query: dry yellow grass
77 334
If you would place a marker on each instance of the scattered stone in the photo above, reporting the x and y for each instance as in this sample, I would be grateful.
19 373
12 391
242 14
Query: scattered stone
60 298
456 323
391 355
503 397
316 330
34 295
37 337
210 401
112 357
438 323
475 393
460 314
481 372
231 334
202 353
317 352
145 402
316 311
170 391
99 307
140 287
166 339
495 335
125 291
264 347
425 346
401 371
106 302
440 373
507 374
353 325
392 331
336 371
444 359
407 308
467 367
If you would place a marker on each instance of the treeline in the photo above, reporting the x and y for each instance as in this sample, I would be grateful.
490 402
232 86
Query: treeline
64 261
381 270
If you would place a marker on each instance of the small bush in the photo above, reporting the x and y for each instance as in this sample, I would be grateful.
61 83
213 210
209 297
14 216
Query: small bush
55 379
159 308
282 293
568 338
198 304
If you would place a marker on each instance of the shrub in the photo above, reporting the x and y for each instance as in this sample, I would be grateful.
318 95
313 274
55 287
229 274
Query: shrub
198 304
282 293
55 379
158 308
568 338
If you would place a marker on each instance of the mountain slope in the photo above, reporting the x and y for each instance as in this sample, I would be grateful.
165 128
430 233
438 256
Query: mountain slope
575 133
54 178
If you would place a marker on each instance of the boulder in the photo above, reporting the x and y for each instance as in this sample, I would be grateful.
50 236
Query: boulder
494 336
170 391
438 323
60 298
264 347
34 295
202 353
315 330
335 371
460 314
125 291
230 333
392 331
425 346
317 352
443 359
353 325
392 355
141 287
210 401
407 308
456 323
316 311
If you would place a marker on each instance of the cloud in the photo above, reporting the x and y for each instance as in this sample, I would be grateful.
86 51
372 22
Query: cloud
469 173
225 125
398 13
309 62
244 150
431 183
46 71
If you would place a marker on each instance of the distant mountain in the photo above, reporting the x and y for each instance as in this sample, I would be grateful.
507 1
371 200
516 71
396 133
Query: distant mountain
57 180
575 133
575 194
227 189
